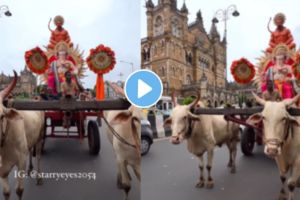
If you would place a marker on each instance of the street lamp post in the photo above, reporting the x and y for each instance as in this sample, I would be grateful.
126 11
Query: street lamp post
130 63
5 10
223 15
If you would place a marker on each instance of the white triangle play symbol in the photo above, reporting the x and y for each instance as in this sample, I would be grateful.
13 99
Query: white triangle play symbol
143 88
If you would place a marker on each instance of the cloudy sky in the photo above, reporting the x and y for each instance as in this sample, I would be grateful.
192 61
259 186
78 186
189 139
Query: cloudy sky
115 23
247 34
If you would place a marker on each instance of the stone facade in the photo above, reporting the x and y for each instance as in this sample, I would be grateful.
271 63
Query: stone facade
109 92
184 55
26 84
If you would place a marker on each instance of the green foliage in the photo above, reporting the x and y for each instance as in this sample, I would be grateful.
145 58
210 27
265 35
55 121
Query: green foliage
187 100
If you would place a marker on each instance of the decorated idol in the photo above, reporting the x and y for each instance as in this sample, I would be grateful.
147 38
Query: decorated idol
61 59
278 66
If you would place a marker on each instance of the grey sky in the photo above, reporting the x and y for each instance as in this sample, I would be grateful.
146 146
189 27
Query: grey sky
115 23
247 34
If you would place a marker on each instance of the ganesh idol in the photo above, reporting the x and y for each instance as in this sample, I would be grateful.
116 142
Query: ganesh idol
280 71
59 65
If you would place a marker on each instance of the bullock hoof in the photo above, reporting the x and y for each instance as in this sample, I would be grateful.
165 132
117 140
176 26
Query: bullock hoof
282 197
29 170
119 182
39 181
200 184
19 192
209 184
126 190
233 170
229 164
298 183
6 195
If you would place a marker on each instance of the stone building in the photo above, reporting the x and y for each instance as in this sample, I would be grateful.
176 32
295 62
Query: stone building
183 54
109 92
26 84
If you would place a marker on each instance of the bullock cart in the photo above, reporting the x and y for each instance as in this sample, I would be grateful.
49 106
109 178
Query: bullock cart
81 126
250 134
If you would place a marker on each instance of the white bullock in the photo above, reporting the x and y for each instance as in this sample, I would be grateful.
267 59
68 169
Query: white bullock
20 132
282 140
124 133
203 133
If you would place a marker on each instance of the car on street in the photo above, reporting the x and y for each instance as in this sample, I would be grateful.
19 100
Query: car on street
146 137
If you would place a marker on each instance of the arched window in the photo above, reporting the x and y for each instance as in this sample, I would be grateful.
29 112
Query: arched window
188 79
189 57
163 71
146 53
204 63
176 28
158 26
173 71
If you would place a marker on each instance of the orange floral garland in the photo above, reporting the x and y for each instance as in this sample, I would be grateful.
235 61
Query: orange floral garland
36 60
101 59
242 70
296 67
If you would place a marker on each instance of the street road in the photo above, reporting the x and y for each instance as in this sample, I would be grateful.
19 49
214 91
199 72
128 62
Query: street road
68 155
170 172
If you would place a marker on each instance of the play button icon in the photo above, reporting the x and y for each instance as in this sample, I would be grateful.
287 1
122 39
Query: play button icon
143 88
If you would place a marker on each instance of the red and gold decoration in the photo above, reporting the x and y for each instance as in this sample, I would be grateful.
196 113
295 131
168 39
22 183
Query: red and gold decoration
242 71
36 60
101 60
296 67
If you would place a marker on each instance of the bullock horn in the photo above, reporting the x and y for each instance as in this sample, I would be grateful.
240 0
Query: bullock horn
194 103
289 102
6 91
259 100
174 98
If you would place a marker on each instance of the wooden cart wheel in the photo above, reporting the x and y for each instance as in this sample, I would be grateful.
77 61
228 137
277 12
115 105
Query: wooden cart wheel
248 141
93 137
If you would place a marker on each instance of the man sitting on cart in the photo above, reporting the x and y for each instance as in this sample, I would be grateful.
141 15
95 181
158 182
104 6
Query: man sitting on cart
271 94
69 88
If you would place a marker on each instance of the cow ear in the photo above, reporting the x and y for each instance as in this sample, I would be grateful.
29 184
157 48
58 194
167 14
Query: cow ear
193 116
168 122
121 117
294 120
12 114
255 119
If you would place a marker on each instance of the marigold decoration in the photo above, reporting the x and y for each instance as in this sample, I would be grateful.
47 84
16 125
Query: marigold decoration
101 60
242 71
296 67
36 60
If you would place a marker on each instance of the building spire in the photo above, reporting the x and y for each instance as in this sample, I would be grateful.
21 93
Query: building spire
149 4
174 4
224 41
213 34
184 8
199 17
